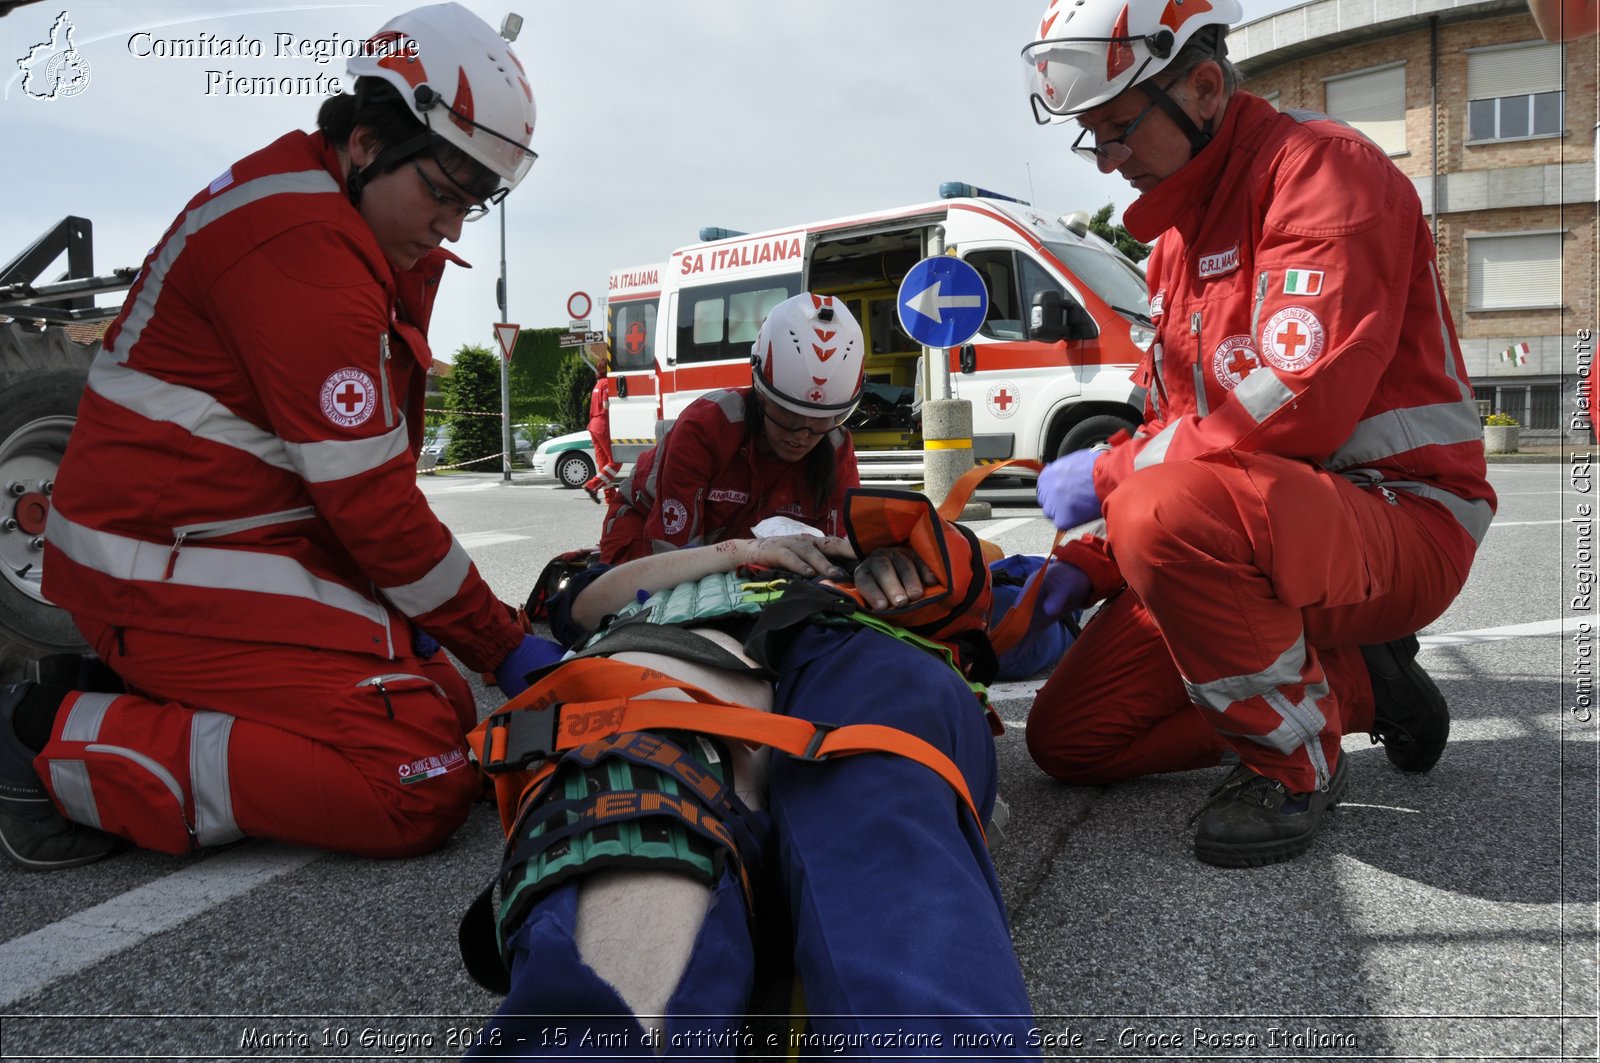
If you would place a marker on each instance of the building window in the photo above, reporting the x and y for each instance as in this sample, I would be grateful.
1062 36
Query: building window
1514 93
1519 271
1374 102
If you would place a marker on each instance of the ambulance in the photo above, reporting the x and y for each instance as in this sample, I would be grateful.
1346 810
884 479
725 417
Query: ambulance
1050 370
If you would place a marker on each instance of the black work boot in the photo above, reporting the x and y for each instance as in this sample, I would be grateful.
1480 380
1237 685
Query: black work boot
1251 820
33 835
1409 716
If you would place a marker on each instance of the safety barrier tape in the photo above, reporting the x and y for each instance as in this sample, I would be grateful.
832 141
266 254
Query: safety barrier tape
461 464
465 413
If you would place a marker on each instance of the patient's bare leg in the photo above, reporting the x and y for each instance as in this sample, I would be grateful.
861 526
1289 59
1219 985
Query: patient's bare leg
636 928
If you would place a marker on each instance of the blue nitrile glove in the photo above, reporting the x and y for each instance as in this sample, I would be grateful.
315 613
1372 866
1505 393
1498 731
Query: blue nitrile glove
533 653
423 645
1065 588
1066 489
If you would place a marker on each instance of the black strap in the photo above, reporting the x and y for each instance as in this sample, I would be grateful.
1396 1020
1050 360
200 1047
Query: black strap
673 641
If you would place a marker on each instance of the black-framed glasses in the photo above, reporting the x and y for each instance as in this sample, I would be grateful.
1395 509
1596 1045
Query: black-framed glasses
790 423
458 209
1113 151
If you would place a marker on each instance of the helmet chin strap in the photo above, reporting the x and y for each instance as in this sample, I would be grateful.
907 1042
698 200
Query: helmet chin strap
384 161
1198 138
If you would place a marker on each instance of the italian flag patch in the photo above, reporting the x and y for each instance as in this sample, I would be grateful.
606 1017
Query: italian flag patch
1302 282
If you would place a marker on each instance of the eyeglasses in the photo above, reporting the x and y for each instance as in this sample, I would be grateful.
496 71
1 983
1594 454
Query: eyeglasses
805 424
1113 152
458 209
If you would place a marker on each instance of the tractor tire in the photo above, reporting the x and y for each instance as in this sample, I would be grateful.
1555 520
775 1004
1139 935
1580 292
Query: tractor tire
42 376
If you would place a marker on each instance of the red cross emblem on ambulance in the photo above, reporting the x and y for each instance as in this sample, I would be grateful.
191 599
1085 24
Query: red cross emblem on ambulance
1004 399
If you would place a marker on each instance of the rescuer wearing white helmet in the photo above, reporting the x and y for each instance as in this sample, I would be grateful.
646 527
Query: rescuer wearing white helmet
739 455
264 577
1308 487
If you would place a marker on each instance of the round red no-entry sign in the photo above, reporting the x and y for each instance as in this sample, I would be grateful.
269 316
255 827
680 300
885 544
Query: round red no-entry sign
578 304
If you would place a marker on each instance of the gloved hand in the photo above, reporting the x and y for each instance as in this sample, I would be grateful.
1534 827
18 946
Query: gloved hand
1066 489
532 653
1065 588
423 645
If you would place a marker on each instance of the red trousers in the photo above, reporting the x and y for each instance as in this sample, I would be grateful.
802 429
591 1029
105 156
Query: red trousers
224 740
1252 582
600 436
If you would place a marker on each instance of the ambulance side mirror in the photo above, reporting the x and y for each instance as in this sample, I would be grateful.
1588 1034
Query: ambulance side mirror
1054 317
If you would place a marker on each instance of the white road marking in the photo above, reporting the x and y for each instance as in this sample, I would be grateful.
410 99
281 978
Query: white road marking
35 960
473 540
991 529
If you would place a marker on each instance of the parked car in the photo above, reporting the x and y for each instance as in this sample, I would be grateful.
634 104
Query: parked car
568 460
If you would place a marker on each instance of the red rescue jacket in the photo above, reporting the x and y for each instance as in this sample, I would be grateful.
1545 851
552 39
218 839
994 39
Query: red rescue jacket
1299 312
244 461
706 481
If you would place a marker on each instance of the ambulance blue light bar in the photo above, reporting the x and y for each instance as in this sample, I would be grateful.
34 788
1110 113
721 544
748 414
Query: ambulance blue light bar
713 232
962 190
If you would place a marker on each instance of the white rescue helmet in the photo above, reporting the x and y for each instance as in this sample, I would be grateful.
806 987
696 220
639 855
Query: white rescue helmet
809 357
462 81
1088 51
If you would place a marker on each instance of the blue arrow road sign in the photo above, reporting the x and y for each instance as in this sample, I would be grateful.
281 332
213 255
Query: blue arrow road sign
942 302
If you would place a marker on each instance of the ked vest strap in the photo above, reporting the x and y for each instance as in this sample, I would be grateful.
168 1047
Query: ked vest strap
593 698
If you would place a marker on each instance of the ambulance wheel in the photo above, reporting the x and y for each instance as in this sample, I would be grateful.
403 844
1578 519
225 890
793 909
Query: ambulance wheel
574 469
1092 430
42 376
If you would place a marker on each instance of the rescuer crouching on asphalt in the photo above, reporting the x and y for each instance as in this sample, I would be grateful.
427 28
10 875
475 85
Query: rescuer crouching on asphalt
237 529
1308 488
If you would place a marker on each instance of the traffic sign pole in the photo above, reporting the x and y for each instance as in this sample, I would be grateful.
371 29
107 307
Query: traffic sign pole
942 304
505 363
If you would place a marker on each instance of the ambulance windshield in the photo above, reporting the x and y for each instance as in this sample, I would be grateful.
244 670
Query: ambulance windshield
1111 276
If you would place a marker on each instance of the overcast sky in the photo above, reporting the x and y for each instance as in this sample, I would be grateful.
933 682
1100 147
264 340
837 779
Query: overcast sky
655 118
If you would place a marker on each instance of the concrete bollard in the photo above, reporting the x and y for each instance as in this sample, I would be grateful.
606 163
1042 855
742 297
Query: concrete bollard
947 451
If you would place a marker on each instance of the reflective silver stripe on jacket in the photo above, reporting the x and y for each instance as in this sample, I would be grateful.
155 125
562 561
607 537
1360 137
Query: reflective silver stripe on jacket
730 402
1473 516
1263 393
330 461
124 558
441 584
193 410
1155 451
154 275
206 418
1398 431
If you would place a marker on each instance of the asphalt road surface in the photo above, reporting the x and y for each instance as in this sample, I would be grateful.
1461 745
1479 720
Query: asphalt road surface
1446 916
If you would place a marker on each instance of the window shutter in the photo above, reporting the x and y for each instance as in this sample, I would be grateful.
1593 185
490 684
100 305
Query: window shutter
1374 103
1513 271
1513 71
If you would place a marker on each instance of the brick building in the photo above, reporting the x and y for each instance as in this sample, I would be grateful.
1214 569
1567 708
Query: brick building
1497 130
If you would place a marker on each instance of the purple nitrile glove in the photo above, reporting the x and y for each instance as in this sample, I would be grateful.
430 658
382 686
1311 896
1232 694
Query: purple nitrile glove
1065 588
423 645
530 655
1066 489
